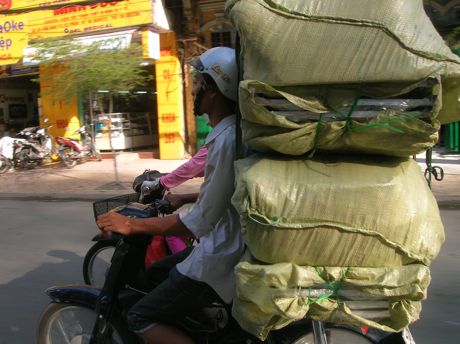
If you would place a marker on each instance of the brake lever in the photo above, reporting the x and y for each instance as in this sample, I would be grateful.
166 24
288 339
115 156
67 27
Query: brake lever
163 206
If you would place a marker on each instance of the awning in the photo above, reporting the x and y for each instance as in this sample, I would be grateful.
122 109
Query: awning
115 40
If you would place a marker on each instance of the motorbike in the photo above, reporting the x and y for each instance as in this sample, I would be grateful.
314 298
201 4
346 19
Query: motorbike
36 145
71 151
87 314
28 149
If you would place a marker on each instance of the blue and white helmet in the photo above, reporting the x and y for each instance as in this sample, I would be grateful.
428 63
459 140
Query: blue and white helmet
220 64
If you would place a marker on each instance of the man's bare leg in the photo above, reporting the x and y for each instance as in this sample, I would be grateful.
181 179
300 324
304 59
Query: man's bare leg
164 334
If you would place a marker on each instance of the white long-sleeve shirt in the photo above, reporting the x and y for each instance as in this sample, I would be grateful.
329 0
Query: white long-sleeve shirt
213 219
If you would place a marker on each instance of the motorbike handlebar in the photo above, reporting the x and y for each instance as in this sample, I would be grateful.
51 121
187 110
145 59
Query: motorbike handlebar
128 205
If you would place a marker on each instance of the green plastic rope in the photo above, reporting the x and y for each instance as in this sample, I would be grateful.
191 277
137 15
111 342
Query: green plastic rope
358 128
270 340
318 130
335 287
386 123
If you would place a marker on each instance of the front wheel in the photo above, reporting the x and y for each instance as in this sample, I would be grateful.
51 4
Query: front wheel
72 323
97 262
24 159
67 156
5 164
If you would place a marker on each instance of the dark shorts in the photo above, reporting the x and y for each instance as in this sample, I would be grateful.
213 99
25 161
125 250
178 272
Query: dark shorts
173 299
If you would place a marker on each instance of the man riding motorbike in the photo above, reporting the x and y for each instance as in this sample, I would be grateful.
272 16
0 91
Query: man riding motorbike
207 273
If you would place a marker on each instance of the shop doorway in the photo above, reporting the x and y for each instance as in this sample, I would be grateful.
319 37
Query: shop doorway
18 104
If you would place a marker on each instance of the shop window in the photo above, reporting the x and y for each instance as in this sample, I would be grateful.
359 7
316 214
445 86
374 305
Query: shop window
221 39
17 111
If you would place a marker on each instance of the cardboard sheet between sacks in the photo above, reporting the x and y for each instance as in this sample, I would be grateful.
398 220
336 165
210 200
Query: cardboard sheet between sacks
318 124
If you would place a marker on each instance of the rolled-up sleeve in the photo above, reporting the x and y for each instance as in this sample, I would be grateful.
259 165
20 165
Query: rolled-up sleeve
217 188
191 169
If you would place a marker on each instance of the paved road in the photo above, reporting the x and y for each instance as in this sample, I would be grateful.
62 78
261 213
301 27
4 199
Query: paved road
43 243
440 317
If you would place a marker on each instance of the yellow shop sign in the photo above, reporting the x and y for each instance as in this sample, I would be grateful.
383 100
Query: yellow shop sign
13 38
78 19
25 5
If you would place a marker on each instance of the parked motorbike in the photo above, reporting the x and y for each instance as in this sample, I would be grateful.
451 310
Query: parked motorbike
71 151
30 147
85 314
35 145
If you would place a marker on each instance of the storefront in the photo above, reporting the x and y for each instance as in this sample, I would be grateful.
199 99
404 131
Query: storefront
151 116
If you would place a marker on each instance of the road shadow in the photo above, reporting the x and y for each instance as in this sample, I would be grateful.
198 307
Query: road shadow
24 299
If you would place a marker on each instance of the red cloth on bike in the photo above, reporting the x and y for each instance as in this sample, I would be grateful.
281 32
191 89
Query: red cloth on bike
156 250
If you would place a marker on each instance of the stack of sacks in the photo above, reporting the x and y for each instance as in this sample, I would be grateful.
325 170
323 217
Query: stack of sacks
337 238
346 237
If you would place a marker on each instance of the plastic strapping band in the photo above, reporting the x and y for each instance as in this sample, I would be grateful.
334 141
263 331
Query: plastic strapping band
270 340
335 287
350 112
385 123
274 221
318 129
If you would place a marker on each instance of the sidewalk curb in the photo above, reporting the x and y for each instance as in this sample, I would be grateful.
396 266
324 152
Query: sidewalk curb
449 205
45 197
55 197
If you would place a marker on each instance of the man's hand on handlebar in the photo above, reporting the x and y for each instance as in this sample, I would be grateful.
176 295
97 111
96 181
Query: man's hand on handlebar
178 200
113 221
175 200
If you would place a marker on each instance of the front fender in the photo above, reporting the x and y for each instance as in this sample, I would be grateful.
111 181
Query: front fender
107 236
80 294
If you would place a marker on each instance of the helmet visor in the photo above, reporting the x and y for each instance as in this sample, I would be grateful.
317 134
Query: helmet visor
196 64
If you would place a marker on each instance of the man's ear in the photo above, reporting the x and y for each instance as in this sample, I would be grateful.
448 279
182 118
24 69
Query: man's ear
213 92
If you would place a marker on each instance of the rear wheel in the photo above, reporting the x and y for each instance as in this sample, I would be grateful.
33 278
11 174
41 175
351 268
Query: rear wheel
97 155
66 154
97 262
64 323
335 335
24 160
5 164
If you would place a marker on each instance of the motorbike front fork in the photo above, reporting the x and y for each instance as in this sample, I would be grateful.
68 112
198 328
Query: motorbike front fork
319 333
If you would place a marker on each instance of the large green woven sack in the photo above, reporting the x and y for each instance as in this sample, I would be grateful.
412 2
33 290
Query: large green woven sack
324 119
270 297
450 111
291 42
337 211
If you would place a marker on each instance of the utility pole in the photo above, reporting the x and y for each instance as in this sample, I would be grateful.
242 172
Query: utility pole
190 48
